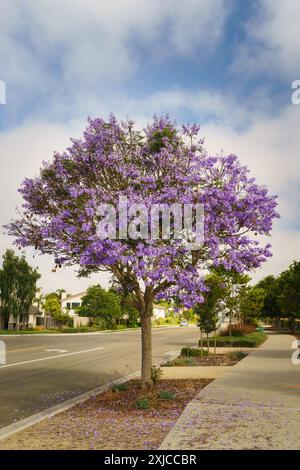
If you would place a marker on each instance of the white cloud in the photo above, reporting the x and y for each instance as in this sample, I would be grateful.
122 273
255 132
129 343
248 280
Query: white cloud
286 249
85 41
273 36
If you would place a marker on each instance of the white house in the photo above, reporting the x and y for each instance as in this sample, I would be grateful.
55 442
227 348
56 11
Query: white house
159 312
70 302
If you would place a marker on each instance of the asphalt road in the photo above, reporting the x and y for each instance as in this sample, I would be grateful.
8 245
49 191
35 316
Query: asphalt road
42 371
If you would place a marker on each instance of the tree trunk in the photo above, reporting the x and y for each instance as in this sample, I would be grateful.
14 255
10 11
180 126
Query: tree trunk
292 325
18 322
146 347
215 343
230 324
201 342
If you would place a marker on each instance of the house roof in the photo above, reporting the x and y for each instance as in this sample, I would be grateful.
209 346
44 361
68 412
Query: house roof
73 296
34 310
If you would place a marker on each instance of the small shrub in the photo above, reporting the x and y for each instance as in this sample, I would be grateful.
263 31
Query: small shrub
98 323
142 404
79 329
156 373
252 340
165 395
118 388
188 352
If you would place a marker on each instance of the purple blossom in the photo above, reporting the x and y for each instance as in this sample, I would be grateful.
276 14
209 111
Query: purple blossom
162 164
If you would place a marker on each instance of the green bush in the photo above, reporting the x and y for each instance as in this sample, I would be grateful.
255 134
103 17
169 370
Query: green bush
118 388
188 352
79 329
142 404
252 340
165 395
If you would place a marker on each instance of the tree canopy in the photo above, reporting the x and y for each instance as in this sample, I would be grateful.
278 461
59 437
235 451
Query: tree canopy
207 311
289 297
53 306
101 304
271 307
251 303
17 285
162 164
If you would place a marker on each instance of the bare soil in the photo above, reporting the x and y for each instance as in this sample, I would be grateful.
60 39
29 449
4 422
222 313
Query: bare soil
111 420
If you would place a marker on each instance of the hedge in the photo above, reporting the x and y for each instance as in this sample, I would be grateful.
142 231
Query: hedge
253 340
189 352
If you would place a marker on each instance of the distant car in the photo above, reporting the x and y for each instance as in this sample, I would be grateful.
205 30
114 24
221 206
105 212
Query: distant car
184 323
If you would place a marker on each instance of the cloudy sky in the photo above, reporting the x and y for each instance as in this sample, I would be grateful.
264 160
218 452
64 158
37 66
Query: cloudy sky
225 64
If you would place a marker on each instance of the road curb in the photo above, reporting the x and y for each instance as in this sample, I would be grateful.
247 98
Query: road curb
25 423
54 410
91 333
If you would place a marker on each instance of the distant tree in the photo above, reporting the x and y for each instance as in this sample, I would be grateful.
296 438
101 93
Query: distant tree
129 313
289 298
17 286
53 305
189 315
60 292
271 307
102 305
234 283
53 308
251 303
207 312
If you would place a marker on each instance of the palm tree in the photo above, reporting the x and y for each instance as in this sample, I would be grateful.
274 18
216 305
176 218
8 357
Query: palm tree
60 293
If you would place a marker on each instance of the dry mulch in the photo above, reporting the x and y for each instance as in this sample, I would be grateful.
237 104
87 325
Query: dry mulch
227 359
111 420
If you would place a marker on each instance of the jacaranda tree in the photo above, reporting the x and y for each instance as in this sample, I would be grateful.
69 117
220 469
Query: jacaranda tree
162 164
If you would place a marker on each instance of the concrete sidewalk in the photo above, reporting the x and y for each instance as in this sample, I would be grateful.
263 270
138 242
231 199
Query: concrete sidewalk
255 405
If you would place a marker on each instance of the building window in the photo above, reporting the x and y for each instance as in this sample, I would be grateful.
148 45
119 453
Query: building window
75 304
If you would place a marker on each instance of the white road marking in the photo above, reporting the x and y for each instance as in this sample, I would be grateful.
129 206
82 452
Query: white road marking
50 357
57 350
